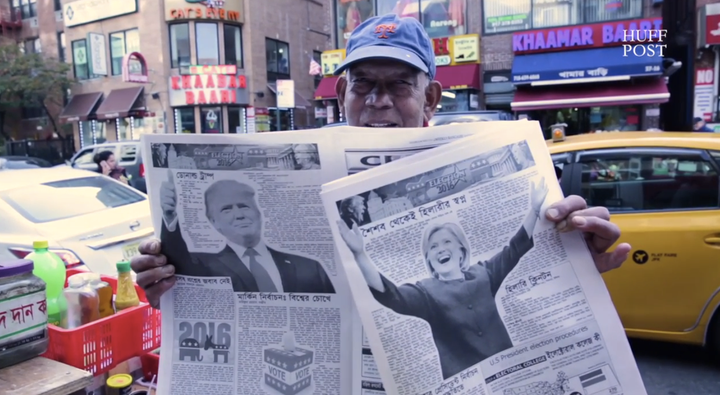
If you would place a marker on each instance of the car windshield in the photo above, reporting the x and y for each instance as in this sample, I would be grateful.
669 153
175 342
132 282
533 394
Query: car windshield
64 199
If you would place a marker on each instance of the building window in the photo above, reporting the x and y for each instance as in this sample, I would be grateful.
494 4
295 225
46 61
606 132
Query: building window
277 54
350 14
185 120
26 8
32 46
503 16
631 182
236 120
58 5
233 45
179 45
33 112
208 43
121 44
92 132
287 121
211 120
61 46
80 60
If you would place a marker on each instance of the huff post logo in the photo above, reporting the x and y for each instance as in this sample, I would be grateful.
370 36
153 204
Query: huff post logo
646 43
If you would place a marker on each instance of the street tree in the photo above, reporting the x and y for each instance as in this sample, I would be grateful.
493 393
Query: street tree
32 80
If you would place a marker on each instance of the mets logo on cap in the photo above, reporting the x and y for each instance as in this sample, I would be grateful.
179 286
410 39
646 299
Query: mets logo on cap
384 29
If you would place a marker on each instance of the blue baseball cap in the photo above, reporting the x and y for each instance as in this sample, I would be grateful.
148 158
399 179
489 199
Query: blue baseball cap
390 37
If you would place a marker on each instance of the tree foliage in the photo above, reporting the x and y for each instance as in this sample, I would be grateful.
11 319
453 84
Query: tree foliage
32 80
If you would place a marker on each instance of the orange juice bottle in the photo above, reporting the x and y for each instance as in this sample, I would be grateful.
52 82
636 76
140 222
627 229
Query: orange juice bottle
105 294
126 296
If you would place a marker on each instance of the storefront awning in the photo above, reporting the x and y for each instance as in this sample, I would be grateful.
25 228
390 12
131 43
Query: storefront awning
121 102
466 76
81 107
300 101
642 91
589 65
326 89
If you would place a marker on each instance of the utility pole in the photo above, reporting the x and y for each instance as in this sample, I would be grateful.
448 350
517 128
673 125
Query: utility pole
679 20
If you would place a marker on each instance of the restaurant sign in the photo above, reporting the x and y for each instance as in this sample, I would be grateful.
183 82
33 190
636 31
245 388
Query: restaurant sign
587 36
219 10
201 89
454 50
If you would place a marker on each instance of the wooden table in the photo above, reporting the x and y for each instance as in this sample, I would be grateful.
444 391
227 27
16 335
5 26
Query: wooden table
42 376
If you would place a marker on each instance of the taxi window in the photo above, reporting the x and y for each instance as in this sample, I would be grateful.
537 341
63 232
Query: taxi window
629 182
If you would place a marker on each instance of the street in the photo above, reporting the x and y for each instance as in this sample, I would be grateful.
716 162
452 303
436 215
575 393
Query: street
670 369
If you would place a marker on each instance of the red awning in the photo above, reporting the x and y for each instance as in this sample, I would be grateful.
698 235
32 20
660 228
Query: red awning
326 89
648 91
466 76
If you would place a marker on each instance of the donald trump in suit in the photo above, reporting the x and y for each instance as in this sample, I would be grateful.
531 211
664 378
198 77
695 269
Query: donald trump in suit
252 266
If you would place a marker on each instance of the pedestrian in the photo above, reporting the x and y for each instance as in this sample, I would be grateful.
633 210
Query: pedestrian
699 125
389 83
108 166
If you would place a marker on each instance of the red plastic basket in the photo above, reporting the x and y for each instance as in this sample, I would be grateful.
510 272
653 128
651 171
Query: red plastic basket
150 366
101 345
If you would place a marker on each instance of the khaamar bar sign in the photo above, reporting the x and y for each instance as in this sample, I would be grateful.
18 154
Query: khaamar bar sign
222 10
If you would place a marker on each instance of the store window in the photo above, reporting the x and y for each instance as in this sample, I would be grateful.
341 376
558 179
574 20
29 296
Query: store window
350 14
233 45
179 45
236 120
277 54
80 60
26 8
130 128
121 44
452 101
211 120
286 120
503 16
646 181
185 120
92 132
61 46
208 43
621 118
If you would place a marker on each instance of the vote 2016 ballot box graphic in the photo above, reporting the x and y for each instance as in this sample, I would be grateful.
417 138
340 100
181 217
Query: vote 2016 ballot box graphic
288 369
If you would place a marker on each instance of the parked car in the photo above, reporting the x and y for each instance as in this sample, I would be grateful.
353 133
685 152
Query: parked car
90 221
446 118
22 162
662 191
127 153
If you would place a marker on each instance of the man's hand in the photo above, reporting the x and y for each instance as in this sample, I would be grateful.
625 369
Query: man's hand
154 274
572 213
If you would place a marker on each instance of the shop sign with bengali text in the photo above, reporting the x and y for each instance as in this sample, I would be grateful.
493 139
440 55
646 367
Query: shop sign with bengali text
455 50
597 35
331 60
201 89
217 10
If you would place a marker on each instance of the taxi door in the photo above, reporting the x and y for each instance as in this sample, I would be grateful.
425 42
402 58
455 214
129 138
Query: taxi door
665 202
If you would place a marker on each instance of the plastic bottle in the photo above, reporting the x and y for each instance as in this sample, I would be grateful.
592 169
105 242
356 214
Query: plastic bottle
105 295
50 268
126 296
82 303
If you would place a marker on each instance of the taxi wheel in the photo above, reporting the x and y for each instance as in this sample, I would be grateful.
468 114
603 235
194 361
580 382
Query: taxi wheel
713 335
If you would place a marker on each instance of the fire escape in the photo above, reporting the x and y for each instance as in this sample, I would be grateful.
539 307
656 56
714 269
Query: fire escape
10 23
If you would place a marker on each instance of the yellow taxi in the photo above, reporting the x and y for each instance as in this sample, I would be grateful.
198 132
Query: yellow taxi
662 190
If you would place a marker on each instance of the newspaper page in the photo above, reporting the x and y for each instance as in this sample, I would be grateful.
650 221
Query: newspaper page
467 288
291 329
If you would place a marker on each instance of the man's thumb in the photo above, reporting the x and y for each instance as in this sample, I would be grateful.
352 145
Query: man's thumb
171 177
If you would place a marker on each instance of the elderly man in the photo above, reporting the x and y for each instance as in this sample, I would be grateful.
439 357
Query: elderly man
388 82
252 266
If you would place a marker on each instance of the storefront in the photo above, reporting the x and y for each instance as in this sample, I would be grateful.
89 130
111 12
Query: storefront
207 89
707 67
458 70
498 89
209 99
580 76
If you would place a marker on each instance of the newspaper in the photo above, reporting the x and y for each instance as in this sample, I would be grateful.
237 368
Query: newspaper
463 286
277 317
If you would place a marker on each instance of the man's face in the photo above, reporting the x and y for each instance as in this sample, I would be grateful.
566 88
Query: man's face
234 214
378 93
699 124
357 208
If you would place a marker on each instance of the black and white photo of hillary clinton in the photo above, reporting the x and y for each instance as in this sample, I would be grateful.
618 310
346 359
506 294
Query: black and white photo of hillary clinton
458 299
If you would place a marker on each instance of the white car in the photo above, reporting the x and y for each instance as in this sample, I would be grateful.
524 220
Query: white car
91 221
